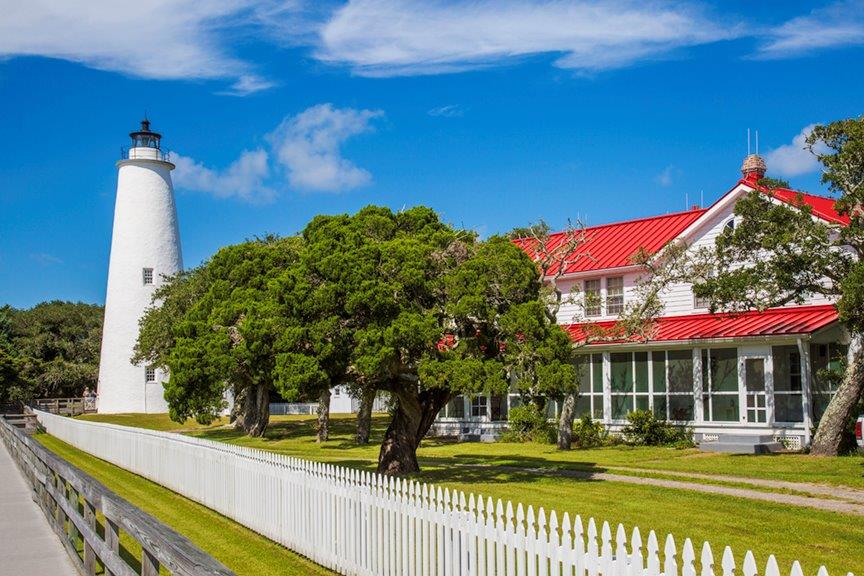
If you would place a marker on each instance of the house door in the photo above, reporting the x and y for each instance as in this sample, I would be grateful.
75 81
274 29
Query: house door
754 384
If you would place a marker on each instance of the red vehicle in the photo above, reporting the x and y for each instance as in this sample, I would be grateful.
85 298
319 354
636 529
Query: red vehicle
859 432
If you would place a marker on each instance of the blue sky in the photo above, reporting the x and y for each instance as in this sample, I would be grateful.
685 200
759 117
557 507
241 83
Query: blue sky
495 113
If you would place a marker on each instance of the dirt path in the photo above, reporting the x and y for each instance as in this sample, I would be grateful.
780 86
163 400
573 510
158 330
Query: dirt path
832 505
836 492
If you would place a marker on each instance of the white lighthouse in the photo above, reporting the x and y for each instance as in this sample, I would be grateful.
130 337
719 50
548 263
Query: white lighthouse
145 246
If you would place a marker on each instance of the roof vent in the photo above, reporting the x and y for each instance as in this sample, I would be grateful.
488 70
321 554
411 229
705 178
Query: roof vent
753 168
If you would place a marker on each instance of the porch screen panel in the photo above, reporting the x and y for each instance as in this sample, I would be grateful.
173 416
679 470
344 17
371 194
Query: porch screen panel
720 383
622 384
597 386
680 371
827 361
658 369
583 376
455 408
787 384
640 380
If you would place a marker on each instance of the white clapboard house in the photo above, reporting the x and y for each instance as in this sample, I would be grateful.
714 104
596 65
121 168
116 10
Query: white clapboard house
752 374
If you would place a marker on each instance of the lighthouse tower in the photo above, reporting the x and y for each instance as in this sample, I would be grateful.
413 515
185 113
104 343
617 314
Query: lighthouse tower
145 246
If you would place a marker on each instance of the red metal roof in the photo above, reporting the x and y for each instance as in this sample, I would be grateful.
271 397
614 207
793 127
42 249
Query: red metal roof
822 206
613 245
771 322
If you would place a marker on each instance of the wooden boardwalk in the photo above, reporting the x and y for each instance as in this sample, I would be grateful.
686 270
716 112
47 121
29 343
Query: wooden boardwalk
28 545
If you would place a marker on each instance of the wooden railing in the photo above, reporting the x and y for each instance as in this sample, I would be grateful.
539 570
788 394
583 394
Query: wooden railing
80 509
67 406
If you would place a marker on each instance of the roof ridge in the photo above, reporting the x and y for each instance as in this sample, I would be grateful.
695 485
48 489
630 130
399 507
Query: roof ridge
635 220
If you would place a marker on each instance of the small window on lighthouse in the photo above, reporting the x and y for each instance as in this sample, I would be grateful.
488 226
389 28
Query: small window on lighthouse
149 374
148 276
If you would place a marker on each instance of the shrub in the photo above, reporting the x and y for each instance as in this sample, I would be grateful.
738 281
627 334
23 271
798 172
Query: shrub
528 423
588 433
644 429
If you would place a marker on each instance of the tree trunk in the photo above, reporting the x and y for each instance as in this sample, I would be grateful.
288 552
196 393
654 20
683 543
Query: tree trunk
324 416
256 410
832 426
364 415
414 414
565 422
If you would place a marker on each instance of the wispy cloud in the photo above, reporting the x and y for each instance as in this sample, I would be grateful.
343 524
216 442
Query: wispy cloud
244 178
407 37
45 259
309 145
305 149
793 159
667 176
159 39
834 26
448 111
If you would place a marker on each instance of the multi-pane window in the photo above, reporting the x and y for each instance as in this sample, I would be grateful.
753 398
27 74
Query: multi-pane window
629 375
479 406
827 361
720 384
589 371
701 302
147 274
455 408
149 374
679 380
614 295
592 297
787 384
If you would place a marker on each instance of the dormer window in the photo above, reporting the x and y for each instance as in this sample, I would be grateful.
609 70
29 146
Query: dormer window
147 276
592 297
614 295
730 225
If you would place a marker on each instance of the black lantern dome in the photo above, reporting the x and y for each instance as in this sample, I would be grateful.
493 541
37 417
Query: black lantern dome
145 138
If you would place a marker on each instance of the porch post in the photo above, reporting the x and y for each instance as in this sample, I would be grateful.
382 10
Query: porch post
607 388
698 404
806 388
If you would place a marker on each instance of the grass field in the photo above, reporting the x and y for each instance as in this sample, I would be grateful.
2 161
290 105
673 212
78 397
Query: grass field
814 537
240 549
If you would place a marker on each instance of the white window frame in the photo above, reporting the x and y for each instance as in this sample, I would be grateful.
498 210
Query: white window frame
590 310
609 305
148 278
149 374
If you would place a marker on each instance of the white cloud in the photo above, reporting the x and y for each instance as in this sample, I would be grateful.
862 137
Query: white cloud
448 111
244 178
405 37
836 25
793 159
308 147
45 259
159 39
667 176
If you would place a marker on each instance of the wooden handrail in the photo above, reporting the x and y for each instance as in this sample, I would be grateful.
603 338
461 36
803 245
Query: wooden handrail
58 488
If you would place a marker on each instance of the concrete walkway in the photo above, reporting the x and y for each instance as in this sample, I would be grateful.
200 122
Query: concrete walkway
28 545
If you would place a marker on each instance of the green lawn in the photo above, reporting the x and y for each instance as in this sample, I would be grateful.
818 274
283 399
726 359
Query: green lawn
238 548
814 537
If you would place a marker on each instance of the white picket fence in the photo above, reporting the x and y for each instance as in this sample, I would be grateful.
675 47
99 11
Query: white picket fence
357 522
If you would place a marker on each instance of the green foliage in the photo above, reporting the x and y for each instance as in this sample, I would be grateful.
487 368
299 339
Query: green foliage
50 350
528 423
589 433
644 429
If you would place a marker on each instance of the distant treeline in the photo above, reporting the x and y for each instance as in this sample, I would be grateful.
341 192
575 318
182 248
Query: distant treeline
50 350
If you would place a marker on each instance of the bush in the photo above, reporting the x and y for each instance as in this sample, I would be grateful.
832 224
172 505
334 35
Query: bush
528 423
588 433
644 429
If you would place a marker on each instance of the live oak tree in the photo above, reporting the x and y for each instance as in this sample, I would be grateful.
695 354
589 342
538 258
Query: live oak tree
779 254
433 313
49 350
218 330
